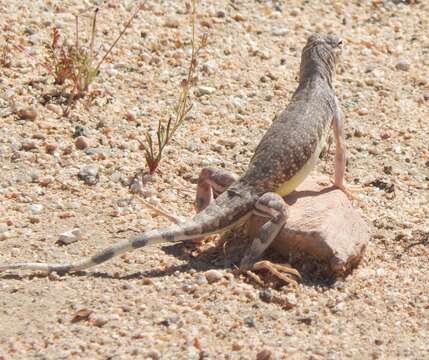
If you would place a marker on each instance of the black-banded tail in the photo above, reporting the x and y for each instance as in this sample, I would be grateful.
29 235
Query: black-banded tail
214 219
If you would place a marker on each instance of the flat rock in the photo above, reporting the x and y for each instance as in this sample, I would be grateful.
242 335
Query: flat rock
323 224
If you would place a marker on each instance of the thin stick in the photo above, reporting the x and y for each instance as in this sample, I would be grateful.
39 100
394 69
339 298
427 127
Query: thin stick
127 25
160 211
91 46
77 31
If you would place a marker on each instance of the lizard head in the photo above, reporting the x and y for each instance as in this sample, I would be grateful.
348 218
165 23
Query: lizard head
320 55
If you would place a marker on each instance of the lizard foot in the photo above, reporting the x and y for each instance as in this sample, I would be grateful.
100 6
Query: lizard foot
282 272
348 190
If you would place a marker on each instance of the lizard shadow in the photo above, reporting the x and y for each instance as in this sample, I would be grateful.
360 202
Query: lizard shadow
211 258
314 273
293 197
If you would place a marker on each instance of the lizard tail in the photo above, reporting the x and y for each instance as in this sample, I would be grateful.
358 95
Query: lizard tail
201 225
171 233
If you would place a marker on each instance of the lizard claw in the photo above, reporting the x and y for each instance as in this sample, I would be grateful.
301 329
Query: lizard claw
348 190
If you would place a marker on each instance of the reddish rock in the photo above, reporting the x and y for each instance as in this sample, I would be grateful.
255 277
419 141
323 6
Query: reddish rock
323 224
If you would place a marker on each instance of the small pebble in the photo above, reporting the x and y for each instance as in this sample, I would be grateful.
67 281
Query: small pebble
266 295
249 322
29 145
288 331
213 276
264 355
402 65
204 90
116 176
70 236
45 181
35 208
55 108
29 31
171 23
99 321
89 174
220 14
110 70
291 300
130 116
363 111
50 148
153 354
3 228
28 114
81 142
4 235
79 131
279 32
239 17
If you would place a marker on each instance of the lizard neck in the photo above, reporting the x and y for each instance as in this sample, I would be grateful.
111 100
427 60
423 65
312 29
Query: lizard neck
315 79
316 63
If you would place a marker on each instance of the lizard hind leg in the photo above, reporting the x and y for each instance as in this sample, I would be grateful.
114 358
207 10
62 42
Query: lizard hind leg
211 183
271 205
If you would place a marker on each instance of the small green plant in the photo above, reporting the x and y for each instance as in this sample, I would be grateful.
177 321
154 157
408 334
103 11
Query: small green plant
153 148
76 63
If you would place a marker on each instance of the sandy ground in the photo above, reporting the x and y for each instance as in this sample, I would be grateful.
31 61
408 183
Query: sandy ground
156 303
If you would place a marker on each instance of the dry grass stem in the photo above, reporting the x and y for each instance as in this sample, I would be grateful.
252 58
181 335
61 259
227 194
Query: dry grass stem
153 148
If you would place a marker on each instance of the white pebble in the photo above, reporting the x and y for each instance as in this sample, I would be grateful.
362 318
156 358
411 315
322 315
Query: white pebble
70 236
35 208
204 90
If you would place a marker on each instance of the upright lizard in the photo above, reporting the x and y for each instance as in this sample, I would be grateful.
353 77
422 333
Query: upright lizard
286 154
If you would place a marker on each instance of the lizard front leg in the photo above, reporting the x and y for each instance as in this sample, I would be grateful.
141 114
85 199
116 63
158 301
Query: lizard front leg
211 183
340 153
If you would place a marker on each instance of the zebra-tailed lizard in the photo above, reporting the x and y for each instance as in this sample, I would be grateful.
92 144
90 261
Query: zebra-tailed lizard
286 154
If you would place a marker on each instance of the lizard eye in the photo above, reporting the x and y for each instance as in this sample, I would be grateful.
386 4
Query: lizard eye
340 43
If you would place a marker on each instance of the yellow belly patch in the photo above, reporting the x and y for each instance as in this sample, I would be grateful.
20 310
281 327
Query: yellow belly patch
290 185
